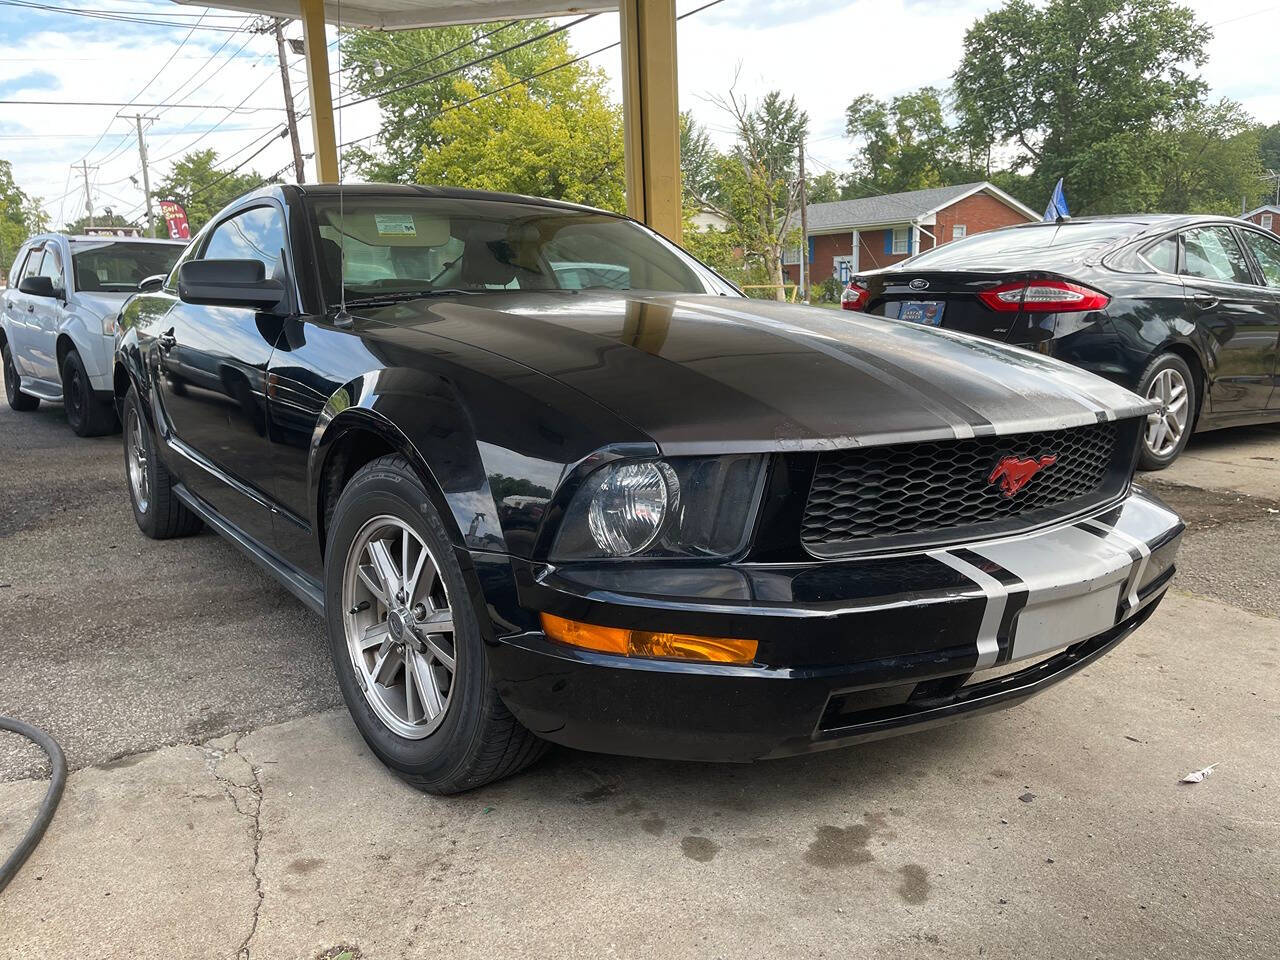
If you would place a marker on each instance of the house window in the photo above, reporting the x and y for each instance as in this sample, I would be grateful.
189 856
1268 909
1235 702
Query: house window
959 231
901 240
1266 221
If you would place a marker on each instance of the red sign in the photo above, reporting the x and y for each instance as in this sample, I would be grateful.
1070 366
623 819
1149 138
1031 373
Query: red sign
1014 473
176 216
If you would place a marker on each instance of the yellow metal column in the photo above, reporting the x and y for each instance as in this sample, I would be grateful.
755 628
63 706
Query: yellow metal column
326 145
651 113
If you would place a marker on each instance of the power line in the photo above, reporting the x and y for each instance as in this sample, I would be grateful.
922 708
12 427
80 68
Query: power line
463 66
122 17
134 103
533 76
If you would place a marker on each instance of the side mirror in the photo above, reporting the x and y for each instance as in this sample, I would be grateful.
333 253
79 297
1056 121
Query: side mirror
229 283
152 283
37 286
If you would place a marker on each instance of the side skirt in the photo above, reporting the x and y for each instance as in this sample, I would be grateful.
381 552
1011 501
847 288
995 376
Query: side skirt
290 577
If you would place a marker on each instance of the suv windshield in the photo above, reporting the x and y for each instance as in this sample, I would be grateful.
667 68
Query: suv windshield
113 267
1075 238
398 245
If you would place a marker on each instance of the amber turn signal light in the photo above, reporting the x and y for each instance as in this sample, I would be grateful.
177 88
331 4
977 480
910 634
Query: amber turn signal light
645 643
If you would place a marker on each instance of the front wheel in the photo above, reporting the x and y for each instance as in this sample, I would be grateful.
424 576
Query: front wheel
1167 381
22 402
406 641
87 415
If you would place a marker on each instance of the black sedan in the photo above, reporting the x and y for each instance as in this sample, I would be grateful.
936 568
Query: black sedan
548 478
1183 310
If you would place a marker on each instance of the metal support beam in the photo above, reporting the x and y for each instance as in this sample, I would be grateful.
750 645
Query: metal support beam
326 145
651 113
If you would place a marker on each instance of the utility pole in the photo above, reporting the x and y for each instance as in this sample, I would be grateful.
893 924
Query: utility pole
88 197
804 229
290 116
146 174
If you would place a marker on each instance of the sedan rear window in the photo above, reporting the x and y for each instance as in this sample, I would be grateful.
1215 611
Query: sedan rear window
112 267
398 245
1079 238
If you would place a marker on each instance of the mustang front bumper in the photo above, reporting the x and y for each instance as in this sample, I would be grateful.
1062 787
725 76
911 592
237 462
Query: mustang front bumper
848 650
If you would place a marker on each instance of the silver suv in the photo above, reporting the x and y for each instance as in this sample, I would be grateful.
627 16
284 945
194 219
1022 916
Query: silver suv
56 333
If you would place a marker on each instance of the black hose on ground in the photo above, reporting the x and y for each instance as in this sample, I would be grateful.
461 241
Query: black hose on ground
44 815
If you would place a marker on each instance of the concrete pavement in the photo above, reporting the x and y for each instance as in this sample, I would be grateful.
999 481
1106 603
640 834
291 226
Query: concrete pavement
220 807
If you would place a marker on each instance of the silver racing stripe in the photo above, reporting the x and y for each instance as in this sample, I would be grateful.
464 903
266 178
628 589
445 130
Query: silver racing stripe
997 596
1140 562
962 428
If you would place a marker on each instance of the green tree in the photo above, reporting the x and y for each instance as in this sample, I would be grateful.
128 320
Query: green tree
1213 161
415 73
20 216
906 144
196 182
1075 89
561 138
756 185
102 218
826 187
698 160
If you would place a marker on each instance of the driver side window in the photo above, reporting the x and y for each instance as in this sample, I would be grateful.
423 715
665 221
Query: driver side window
254 234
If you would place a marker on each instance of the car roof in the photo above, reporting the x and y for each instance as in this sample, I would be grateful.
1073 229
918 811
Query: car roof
332 190
1140 221
90 238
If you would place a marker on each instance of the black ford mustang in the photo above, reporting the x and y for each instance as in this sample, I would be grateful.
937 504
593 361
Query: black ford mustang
548 478
1185 310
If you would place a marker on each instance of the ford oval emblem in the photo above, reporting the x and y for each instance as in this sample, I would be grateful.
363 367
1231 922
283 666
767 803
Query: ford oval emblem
919 284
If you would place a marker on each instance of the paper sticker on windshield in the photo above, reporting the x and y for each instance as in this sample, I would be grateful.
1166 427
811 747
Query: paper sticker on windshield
395 224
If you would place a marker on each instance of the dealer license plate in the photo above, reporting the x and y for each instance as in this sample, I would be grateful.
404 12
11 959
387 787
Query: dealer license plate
928 312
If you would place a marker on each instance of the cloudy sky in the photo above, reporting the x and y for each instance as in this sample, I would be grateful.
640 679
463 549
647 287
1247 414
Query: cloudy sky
826 53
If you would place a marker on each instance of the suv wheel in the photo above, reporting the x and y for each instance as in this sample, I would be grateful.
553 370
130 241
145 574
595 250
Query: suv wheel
406 641
156 509
17 399
1167 381
87 415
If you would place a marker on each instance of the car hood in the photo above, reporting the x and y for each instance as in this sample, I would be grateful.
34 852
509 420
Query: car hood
701 373
101 304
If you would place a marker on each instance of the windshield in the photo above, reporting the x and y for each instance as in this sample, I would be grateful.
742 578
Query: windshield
1071 238
112 267
404 246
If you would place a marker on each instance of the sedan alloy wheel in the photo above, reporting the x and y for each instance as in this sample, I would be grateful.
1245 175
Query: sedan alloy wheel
1166 426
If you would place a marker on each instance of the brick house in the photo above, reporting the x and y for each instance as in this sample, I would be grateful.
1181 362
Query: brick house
849 236
1267 217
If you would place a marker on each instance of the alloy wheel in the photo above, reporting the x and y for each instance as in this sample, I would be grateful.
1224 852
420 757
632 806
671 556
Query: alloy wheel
1166 426
399 627
136 446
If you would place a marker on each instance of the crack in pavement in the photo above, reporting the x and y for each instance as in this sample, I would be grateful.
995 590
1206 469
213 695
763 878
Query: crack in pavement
251 794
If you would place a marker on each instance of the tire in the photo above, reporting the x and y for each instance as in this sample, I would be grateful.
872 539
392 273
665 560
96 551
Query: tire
23 403
472 738
156 508
87 415
1169 381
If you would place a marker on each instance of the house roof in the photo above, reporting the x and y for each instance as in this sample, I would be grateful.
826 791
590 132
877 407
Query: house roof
1265 208
901 207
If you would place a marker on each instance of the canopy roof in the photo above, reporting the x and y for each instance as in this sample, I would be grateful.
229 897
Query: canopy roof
409 14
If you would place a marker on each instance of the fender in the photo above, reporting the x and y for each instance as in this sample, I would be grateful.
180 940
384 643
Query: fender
419 415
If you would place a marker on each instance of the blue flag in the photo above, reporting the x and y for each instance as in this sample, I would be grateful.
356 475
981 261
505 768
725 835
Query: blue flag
1057 205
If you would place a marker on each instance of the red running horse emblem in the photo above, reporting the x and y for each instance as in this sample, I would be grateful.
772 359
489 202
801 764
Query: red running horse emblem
1014 473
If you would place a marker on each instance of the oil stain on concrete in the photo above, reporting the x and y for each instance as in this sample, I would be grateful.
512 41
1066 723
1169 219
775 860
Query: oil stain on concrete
702 849
840 846
914 887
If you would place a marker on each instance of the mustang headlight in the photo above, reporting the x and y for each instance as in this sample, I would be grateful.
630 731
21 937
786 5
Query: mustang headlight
681 507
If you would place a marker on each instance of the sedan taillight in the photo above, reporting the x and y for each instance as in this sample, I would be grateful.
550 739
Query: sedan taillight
1043 296
854 297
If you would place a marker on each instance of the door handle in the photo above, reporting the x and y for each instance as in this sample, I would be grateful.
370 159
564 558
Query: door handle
166 340
31 308
1205 301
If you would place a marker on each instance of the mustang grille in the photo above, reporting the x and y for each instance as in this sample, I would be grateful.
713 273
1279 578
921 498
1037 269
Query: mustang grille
915 490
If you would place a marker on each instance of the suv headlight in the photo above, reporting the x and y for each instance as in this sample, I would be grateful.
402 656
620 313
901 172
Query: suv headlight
686 507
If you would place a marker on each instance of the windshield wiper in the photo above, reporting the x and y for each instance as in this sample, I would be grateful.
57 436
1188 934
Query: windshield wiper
379 299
